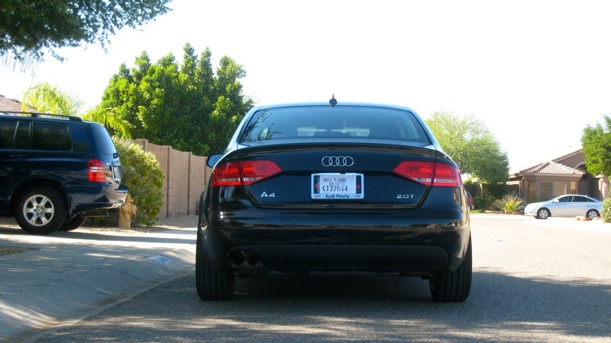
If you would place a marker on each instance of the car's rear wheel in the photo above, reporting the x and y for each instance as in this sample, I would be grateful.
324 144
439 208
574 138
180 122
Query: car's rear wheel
592 214
543 213
40 210
453 286
211 283
73 224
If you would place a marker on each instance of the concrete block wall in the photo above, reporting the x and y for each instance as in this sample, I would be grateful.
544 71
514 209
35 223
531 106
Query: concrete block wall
185 178
198 177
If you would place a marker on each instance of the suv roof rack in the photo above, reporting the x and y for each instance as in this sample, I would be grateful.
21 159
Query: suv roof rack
42 115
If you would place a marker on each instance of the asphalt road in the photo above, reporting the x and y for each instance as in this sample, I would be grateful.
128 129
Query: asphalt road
534 281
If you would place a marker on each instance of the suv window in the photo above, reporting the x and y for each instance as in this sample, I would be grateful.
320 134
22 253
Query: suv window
7 132
46 136
22 135
14 134
104 142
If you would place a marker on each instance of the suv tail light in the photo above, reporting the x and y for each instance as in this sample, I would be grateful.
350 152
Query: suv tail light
430 173
243 173
97 171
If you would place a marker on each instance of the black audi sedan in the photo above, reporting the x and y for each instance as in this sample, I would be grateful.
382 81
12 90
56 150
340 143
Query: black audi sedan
334 187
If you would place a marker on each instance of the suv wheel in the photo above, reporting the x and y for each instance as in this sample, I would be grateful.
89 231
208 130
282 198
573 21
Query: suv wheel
453 286
73 223
40 210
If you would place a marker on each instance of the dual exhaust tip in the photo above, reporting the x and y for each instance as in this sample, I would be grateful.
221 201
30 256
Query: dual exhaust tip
244 259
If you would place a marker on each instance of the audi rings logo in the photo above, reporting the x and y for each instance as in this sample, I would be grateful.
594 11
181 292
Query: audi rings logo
337 161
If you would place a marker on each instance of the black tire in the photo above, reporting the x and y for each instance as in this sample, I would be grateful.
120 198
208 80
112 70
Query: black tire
543 213
448 286
73 224
592 214
212 284
40 210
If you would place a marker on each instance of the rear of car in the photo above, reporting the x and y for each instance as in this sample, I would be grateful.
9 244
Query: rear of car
350 187
57 171
104 190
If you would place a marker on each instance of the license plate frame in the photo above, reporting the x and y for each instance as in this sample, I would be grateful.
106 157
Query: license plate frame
337 186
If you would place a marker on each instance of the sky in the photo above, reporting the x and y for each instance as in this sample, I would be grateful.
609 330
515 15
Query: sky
535 73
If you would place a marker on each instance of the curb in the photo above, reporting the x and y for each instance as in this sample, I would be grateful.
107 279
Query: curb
59 284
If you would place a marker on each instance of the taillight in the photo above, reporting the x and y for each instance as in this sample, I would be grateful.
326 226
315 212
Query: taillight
430 173
96 171
243 173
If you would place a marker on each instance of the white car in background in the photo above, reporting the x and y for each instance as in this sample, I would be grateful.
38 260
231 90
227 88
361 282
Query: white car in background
568 205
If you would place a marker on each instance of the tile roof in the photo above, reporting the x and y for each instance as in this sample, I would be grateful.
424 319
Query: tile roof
7 104
551 168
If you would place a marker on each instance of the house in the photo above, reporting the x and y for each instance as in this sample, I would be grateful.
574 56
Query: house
563 175
12 105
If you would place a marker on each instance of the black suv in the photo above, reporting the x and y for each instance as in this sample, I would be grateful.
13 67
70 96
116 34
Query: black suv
55 171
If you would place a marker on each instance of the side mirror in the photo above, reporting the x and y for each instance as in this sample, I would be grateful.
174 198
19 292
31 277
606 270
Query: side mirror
212 159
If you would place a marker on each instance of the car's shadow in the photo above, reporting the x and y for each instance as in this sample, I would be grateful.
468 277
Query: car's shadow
362 307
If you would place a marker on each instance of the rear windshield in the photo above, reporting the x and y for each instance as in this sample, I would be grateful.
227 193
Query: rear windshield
102 139
339 122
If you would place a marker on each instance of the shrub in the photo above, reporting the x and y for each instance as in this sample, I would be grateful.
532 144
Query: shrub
510 203
143 177
484 202
606 208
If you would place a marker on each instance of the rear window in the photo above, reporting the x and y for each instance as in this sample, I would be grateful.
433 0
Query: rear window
338 122
102 139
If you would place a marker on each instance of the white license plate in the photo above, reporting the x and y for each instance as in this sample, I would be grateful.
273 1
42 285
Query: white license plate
116 173
337 186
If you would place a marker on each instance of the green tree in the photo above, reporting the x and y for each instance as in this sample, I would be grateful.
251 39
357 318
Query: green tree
471 145
183 105
50 99
110 120
28 28
596 147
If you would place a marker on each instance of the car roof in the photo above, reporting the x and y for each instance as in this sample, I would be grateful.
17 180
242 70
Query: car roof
568 195
339 104
40 116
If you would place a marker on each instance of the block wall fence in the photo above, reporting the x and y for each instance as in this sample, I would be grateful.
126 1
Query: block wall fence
185 178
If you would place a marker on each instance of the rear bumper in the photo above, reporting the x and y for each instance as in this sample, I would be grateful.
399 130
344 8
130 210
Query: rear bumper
374 244
89 200
367 258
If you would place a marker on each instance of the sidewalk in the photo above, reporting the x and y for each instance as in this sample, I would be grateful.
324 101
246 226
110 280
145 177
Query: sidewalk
68 276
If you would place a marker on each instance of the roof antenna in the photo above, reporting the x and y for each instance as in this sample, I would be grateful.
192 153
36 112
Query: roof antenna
333 101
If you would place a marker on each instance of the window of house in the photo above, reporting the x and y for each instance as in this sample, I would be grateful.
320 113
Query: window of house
559 188
573 187
531 191
546 190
